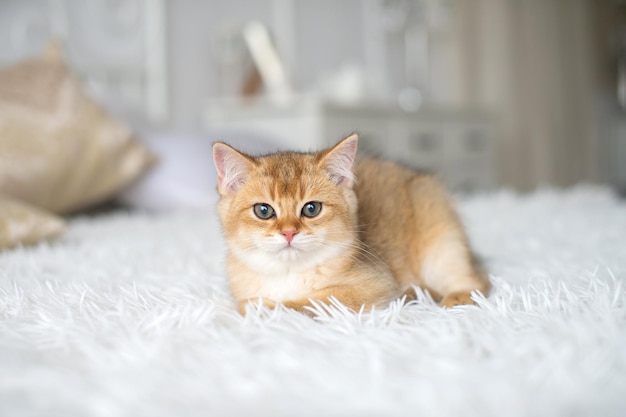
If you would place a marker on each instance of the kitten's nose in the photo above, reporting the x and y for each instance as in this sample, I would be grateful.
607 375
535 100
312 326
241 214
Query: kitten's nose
289 234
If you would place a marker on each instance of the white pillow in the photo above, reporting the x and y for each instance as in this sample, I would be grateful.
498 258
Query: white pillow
185 176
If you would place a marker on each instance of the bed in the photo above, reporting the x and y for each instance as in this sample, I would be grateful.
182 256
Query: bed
129 313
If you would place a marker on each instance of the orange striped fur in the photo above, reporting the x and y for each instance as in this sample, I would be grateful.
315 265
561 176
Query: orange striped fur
382 229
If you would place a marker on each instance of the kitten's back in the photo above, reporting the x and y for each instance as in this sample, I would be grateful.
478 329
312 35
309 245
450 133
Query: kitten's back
408 218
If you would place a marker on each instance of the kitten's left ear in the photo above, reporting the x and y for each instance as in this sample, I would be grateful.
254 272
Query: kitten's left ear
339 160
233 168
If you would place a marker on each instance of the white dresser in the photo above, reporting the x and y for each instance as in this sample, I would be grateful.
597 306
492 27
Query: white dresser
456 144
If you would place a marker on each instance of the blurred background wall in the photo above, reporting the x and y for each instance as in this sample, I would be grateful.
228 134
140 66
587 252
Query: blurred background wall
533 63
546 71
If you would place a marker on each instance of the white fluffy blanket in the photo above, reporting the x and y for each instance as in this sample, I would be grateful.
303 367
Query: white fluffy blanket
129 315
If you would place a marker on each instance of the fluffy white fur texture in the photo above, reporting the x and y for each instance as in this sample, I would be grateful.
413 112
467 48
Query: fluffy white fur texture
129 315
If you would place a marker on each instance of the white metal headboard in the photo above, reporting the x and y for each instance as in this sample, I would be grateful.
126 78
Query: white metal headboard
117 47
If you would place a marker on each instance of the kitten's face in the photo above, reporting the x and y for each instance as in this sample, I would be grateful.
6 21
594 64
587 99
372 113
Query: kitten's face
288 212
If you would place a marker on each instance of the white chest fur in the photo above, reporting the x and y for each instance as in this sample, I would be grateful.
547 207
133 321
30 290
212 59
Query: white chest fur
278 277
286 286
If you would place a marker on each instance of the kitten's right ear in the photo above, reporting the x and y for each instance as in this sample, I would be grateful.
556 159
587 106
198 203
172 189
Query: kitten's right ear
232 168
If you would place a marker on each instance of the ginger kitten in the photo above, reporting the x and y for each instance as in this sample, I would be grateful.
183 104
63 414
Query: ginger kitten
308 226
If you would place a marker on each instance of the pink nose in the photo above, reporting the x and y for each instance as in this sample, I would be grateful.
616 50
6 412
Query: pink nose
289 234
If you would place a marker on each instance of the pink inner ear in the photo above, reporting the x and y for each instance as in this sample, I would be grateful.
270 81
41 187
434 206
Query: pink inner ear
340 159
232 168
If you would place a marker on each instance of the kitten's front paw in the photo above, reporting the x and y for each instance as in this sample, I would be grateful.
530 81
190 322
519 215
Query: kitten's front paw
265 302
299 306
457 298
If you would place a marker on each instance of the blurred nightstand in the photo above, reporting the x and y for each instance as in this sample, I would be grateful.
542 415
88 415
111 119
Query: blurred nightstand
456 144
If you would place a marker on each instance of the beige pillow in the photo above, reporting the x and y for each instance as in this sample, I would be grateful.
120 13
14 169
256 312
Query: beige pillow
23 224
59 149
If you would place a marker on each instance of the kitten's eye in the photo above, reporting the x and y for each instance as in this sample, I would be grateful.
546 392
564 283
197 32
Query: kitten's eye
263 211
311 209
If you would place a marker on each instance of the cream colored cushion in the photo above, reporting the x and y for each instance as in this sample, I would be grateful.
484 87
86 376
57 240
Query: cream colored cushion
23 224
59 149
